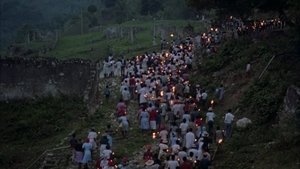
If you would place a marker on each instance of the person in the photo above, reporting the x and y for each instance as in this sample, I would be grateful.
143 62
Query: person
164 135
106 92
73 142
109 133
126 95
153 114
186 164
228 123
144 120
218 135
182 153
220 92
148 154
210 115
103 143
176 147
204 97
107 152
121 108
193 152
205 162
87 155
183 127
189 138
124 123
92 137
78 153
172 163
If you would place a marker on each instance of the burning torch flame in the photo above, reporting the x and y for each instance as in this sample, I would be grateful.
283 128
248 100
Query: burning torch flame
154 135
161 93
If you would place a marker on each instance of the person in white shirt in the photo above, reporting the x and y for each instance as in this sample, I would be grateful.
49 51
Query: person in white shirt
107 152
163 134
228 123
126 95
172 164
175 147
92 137
204 96
193 153
210 115
183 126
182 154
189 138
124 123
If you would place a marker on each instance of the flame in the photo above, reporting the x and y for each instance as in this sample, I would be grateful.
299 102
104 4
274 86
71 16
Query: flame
154 135
161 93
212 102
220 141
173 89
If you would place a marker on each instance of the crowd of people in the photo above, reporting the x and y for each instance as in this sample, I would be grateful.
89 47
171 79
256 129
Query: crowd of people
169 109
178 115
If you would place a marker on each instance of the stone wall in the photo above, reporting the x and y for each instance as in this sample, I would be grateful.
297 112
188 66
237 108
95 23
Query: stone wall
22 78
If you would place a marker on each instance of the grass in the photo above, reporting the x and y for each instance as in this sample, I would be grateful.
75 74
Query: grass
30 127
260 146
96 46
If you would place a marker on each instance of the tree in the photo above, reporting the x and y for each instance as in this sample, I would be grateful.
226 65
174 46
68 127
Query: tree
109 3
150 7
92 9
244 7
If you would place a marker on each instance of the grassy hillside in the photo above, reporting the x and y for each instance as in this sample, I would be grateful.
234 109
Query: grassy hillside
262 145
95 45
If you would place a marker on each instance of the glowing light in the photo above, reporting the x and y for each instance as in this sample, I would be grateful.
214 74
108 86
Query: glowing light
220 141
212 102
161 93
171 102
154 135
172 35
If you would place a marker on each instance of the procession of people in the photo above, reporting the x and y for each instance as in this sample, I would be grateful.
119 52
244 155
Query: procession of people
178 115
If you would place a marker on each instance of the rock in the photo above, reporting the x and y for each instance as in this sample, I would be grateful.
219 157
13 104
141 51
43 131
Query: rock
243 123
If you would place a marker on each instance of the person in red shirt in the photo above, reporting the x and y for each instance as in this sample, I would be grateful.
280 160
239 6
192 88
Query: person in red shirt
186 164
152 118
121 108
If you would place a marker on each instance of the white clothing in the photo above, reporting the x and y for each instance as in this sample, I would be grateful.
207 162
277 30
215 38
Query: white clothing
172 164
184 127
126 95
164 135
189 139
106 153
182 154
204 96
175 148
210 116
228 118
195 152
